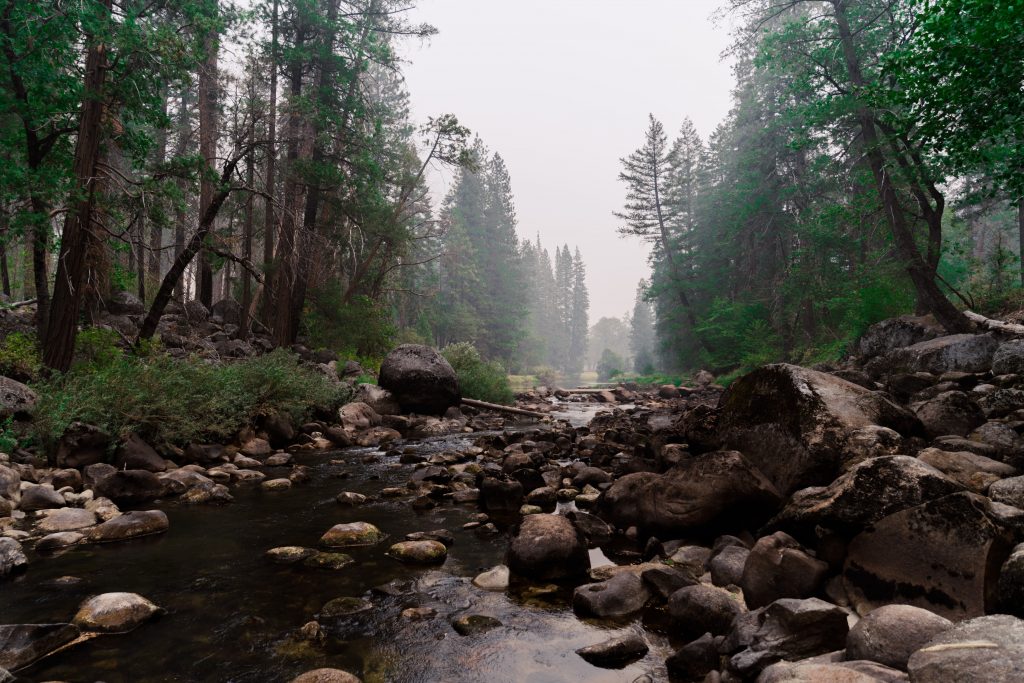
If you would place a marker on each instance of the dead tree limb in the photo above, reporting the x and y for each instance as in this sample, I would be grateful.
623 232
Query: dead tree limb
484 405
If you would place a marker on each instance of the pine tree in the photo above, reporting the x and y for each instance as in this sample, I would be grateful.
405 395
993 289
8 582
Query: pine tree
641 338
579 324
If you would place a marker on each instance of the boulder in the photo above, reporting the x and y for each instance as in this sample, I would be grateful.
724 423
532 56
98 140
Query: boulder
777 567
12 558
726 566
615 652
664 580
975 472
619 596
381 400
58 541
23 644
40 497
419 552
1008 491
706 494
500 495
10 484
949 413
989 649
791 630
66 519
228 310
136 454
351 534
943 556
356 416
668 391
694 660
1011 583
326 676
420 379
548 547
115 613
130 487
495 579
129 525
16 399
814 671
1001 402
704 609
794 424
1008 358
871 490
82 445
897 333
952 353
594 529
196 312
891 633
125 303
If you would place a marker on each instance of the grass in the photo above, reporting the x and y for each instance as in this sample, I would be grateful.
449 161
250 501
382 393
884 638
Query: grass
170 401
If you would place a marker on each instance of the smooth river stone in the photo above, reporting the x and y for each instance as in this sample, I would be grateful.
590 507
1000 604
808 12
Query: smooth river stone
419 552
22 644
115 612
351 534
66 519
129 525
289 554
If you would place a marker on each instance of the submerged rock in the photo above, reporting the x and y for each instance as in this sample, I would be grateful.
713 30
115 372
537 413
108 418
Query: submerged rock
419 552
289 554
23 644
615 652
495 579
473 624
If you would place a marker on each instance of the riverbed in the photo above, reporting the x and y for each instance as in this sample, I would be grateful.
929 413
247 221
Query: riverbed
234 616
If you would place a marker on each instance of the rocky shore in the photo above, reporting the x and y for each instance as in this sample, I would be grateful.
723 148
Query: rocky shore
853 523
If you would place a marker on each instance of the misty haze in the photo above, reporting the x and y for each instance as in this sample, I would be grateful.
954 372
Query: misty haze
408 341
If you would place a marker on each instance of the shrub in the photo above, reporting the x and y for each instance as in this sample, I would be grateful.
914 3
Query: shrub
171 401
19 357
611 364
362 327
479 379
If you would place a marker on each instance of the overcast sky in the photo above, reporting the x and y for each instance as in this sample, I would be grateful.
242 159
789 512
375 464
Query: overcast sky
562 89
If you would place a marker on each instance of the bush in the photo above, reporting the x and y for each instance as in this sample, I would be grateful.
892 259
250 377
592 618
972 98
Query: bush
479 379
362 327
171 401
19 357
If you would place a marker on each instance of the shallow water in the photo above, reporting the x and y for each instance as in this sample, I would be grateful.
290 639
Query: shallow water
233 616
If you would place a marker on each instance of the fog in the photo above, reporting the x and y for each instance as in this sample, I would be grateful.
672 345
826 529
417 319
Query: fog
562 90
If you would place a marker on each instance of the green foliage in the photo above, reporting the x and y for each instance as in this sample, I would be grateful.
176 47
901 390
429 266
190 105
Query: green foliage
170 401
479 379
96 347
363 327
609 365
19 357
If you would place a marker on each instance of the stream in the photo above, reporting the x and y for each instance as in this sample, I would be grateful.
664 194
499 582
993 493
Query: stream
234 616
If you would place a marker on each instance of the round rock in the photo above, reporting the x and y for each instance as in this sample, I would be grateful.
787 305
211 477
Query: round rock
890 634
419 552
351 534
115 612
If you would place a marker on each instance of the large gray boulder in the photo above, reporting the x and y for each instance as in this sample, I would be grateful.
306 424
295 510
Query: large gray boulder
16 399
115 612
871 490
704 609
704 494
619 596
420 379
892 633
548 547
795 424
130 487
897 333
10 484
949 413
952 353
982 650
82 445
975 472
943 556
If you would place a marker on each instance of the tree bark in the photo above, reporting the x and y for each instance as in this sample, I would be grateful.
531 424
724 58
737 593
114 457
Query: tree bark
181 261
1020 236
921 273
59 344
208 150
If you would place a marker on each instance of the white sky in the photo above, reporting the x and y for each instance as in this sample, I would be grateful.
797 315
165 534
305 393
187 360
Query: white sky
561 89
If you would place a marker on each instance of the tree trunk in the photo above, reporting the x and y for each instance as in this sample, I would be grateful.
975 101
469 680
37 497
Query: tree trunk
181 261
270 215
284 262
156 228
1020 236
243 324
59 345
4 235
920 272
208 150
179 212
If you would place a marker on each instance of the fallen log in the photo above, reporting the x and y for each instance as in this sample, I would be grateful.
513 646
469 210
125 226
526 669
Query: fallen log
998 325
484 405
